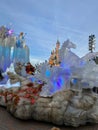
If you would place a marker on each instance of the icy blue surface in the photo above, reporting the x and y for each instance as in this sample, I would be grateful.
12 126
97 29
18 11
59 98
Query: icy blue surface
8 84
12 50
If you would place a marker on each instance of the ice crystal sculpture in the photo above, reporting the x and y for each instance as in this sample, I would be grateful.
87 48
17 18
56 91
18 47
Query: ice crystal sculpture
74 72
12 48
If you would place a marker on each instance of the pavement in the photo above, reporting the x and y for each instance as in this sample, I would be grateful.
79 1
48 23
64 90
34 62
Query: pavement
8 122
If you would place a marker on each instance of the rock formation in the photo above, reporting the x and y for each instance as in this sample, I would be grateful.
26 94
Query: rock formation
69 107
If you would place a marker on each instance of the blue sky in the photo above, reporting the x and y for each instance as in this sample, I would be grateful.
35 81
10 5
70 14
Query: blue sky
45 21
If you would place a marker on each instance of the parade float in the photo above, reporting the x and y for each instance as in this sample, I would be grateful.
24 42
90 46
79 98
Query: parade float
61 90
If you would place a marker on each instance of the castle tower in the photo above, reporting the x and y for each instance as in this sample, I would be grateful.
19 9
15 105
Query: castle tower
57 52
54 58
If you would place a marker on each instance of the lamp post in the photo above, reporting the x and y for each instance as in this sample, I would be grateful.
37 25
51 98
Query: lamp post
91 43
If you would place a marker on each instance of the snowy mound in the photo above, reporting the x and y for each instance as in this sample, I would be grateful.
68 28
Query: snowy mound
90 56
